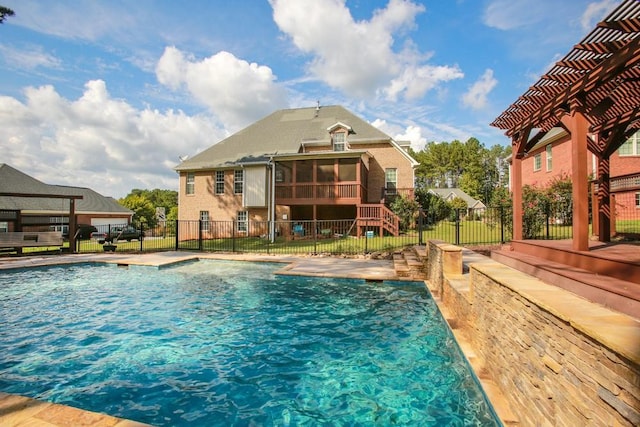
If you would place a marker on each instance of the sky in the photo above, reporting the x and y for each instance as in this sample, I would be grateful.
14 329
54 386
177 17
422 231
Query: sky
110 94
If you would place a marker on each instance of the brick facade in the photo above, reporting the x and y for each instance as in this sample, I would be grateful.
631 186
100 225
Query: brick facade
561 168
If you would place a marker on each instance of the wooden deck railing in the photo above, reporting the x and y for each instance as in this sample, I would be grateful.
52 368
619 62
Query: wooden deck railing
625 183
292 193
378 215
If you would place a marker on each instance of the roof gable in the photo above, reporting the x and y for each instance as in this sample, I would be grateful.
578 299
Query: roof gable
339 125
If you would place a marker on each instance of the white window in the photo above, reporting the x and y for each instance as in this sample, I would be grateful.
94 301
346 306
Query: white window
191 183
64 229
537 162
238 180
631 147
219 182
243 217
4 227
549 159
204 220
637 203
339 141
391 180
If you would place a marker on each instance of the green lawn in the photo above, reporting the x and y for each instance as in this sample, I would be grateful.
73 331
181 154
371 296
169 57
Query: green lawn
470 233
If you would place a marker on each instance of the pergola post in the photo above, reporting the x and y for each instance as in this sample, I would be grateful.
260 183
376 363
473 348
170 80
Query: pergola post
516 191
578 126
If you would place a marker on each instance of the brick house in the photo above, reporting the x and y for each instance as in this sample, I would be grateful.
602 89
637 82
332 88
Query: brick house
550 159
319 163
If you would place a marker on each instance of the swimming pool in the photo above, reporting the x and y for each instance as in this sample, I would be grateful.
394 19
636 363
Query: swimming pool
230 343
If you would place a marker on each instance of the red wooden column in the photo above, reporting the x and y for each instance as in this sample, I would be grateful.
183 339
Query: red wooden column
578 125
516 191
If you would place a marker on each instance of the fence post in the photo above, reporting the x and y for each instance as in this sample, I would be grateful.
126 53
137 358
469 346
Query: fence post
501 224
547 212
457 227
200 235
366 239
315 237
420 240
177 240
141 235
234 224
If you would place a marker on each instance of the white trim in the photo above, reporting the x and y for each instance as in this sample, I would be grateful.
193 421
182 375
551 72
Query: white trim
413 162
339 125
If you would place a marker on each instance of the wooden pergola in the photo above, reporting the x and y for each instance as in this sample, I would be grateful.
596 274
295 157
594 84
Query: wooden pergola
72 209
594 94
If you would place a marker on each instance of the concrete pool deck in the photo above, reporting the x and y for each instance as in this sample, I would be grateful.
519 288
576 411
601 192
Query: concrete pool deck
23 411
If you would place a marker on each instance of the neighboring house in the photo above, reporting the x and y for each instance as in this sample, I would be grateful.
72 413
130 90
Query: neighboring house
449 194
44 214
550 159
322 163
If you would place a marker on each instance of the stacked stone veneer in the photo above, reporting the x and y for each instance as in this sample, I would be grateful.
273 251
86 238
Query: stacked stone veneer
557 358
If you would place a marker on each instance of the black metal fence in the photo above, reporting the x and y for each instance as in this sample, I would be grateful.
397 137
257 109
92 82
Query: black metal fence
464 227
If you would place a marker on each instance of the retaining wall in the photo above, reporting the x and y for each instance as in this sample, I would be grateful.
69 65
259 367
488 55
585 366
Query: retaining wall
557 358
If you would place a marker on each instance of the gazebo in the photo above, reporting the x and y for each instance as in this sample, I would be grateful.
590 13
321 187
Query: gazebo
594 94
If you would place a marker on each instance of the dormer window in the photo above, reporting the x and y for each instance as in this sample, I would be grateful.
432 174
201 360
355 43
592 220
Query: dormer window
339 141
338 134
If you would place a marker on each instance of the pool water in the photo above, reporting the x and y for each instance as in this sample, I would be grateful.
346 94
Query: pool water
230 343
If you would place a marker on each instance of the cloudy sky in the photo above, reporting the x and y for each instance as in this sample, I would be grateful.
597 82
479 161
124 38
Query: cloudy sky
109 94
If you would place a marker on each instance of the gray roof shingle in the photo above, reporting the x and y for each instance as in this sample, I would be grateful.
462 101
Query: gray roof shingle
281 132
14 181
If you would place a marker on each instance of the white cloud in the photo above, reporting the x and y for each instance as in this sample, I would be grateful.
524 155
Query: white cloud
411 133
358 58
508 14
97 141
81 20
414 82
595 12
476 96
28 57
236 91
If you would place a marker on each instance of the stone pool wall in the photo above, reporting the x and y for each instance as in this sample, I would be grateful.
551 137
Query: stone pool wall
557 358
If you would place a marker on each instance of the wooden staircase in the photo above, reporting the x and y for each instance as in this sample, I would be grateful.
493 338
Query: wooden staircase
377 216
410 263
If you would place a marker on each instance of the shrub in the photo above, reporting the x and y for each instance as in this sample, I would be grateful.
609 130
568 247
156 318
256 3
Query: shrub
407 210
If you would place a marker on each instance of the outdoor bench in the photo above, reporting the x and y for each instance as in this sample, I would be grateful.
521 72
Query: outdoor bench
21 239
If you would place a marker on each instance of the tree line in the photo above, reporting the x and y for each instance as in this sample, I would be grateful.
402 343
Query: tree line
479 171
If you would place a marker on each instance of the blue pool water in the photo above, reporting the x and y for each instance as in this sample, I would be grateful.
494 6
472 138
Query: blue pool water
224 343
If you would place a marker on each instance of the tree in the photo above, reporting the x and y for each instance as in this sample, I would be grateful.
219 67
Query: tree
434 207
143 210
4 13
458 207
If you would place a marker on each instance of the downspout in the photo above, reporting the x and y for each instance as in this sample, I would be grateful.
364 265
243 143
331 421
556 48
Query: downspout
272 202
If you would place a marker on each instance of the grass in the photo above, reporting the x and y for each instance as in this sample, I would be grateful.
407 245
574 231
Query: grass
470 233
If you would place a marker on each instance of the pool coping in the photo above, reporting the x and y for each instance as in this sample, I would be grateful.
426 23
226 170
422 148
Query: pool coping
24 410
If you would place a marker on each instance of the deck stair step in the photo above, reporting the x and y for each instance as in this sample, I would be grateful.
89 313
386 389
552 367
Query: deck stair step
617 294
